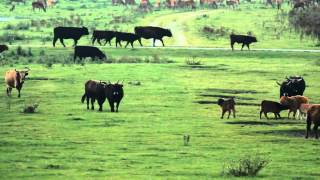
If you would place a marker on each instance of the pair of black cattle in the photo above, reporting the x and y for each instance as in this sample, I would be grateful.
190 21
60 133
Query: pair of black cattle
146 32
100 91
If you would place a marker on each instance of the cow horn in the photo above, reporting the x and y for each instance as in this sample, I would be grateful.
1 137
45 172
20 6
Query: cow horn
109 82
278 83
27 68
287 78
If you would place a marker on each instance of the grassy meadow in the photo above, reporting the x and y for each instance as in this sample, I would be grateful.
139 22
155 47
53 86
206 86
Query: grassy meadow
144 140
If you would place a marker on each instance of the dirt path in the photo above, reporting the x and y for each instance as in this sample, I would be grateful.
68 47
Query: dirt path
176 22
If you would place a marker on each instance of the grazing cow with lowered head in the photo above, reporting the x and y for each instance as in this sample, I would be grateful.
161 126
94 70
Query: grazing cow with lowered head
148 32
128 37
313 116
106 35
88 51
292 86
15 79
39 5
227 105
100 91
74 33
3 48
245 40
271 107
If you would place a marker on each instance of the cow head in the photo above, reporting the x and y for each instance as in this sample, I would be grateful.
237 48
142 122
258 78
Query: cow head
85 31
5 47
168 33
21 75
220 101
253 39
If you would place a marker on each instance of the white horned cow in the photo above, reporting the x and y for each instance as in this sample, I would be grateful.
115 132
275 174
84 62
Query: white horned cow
15 79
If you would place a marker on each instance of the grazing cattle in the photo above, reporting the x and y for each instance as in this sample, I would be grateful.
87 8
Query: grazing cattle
3 48
38 4
245 40
114 2
313 117
291 103
275 2
88 51
292 86
74 33
15 79
211 3
232 3
148 32
130 2
100 91
273 107
128 37
106 35
227 105
186 3
303 110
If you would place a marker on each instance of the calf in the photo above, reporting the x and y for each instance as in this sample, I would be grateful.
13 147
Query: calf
313 117
291 103
74 33
128 37
245 40
106 35
227 105
15 79
151 32
273 107
88 51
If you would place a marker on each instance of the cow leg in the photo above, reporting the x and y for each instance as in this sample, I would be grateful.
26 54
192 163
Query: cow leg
265 114
234 113
131 44
315 130
111 106
275 115
162 42
260 114
232 44
248 46
9 89
19 92
242 46
118 103
92 103
54 41
126 44
289 114
154 42
308 127
294 114
75 42
93 40
99 42
279 115
87 102
61 40
229 112
110 42
223 111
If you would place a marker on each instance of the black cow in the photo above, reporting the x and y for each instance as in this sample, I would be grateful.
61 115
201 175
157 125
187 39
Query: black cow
128 37
74 33
292 86
149 32
88 51
3 48
106 35
245 40
101 91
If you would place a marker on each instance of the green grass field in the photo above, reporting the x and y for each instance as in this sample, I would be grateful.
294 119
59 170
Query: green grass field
145 139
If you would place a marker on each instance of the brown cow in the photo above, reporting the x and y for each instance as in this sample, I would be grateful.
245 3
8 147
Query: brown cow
15 79
211 3
227 105
40 5
313 117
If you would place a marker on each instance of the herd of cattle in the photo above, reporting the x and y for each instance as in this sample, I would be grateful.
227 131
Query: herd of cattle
291 99
146 4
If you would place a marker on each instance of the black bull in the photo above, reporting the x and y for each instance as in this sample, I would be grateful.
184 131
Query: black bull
292 86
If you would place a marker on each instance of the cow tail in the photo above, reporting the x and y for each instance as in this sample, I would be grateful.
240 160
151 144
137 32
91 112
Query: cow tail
83 97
